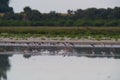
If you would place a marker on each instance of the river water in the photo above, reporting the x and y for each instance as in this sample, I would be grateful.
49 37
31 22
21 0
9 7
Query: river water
59 63
17 67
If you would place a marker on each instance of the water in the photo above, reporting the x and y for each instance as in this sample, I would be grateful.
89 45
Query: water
109 52
59 63
17 67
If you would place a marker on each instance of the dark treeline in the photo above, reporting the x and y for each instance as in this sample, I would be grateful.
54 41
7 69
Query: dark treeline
87 17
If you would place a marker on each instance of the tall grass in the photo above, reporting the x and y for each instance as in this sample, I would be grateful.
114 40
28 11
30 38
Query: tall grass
95 32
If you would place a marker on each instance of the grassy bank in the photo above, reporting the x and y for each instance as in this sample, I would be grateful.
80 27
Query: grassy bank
71 32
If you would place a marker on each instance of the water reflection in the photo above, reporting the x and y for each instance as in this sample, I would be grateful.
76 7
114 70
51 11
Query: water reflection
26 56
57 67
4 66
63 68
27 51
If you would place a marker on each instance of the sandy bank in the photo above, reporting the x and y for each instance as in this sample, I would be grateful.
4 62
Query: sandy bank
58 40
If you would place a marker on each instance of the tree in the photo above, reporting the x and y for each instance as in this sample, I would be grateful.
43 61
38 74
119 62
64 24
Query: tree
115 13
79 14
4 6
5 1
70 12
90 13
32 14
27 9
12 16
35 15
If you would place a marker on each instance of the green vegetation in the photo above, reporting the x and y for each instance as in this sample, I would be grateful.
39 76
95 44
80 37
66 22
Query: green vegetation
82 19
79 17
70 32
62 23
